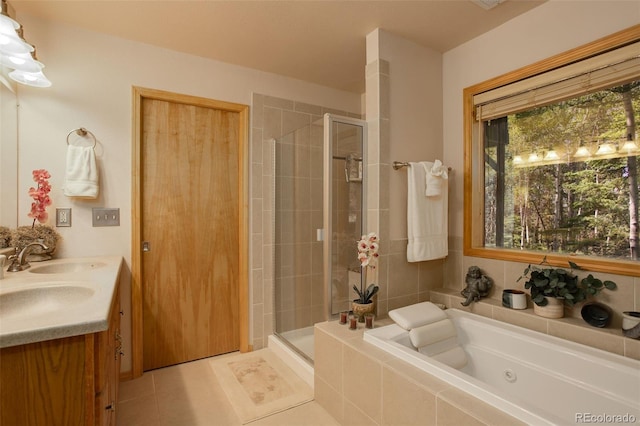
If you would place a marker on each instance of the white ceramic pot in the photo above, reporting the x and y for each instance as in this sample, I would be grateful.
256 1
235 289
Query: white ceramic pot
631 324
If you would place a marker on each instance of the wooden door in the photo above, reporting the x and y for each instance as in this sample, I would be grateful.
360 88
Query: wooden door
190 227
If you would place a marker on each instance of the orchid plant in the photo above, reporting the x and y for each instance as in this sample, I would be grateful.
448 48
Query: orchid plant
368 257
40 196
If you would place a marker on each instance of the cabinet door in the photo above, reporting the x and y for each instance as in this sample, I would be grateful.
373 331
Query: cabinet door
107 370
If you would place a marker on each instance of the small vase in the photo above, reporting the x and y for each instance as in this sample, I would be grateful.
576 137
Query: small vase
360 309
553 309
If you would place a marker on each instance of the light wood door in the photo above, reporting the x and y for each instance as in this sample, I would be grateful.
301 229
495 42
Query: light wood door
190 219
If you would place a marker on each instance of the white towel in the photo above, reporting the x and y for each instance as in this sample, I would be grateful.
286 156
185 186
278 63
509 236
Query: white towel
417 315
436 175
429 334
427 221
81 179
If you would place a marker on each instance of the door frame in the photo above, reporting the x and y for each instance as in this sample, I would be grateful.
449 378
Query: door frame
140 93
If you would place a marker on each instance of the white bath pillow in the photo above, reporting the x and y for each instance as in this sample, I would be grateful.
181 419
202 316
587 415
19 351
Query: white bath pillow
455 358
413 316
439 347
428 334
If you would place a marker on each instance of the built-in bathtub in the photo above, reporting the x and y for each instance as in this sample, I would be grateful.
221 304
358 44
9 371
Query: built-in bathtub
534 377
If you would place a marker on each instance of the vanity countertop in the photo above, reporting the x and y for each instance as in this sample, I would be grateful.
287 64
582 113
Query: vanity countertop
57 298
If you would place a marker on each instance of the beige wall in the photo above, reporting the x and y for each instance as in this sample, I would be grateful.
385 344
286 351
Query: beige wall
92 77
404 115
549 29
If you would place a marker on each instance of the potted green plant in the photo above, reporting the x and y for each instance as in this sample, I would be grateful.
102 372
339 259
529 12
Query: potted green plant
368 257
552 288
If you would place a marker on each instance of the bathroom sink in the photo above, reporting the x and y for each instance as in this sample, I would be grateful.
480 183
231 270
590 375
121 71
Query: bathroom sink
65 268
43 300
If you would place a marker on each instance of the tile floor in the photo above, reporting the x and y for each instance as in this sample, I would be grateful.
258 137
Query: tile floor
189 395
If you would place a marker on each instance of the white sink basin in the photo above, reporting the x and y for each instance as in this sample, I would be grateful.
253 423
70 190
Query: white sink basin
43 300
65 268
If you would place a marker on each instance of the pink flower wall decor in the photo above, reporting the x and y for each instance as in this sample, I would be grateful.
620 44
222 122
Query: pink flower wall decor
40 196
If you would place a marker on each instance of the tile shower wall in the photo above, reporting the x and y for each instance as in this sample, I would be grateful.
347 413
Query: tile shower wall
271 119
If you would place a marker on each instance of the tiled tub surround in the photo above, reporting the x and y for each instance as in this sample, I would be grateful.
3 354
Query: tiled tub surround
570 328
537 378
358 383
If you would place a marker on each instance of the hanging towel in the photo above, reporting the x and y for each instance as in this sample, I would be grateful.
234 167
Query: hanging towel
81 179
427 221
436 176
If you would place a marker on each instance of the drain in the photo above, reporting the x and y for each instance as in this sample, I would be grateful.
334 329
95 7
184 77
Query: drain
509 375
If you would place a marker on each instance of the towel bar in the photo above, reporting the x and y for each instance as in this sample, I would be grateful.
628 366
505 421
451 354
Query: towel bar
397 165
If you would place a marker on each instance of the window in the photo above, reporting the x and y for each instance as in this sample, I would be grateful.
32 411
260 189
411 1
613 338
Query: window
552 160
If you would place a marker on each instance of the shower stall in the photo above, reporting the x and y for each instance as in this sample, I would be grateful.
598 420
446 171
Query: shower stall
319 205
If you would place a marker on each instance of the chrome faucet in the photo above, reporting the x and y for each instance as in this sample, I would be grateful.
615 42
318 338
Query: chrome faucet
19 261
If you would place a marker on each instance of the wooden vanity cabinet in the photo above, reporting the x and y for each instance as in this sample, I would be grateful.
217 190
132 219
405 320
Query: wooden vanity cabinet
66 381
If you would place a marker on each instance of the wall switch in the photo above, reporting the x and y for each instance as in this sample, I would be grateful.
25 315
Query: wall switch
106 217
63 217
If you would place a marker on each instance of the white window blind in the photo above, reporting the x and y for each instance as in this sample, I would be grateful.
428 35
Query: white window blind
609 69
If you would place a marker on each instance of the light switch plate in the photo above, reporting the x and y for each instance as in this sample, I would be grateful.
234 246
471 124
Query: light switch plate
105 217
63 217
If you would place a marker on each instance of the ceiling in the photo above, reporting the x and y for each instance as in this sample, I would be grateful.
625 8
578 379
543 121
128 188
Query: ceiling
317 41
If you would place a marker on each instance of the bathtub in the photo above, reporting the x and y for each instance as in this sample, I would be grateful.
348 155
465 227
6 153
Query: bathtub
536 378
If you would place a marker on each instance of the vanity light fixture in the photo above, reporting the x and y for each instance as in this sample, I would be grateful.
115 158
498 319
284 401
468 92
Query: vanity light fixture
551 155
18 55
582 152
629 147
533 157
10 41
605 149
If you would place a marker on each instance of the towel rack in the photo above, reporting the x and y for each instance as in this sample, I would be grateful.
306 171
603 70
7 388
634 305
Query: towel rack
81 131
397 165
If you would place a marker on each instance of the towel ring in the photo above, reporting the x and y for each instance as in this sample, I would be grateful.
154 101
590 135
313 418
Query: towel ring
81 131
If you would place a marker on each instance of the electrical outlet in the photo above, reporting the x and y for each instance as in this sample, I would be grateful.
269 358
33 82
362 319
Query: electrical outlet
106 217
63 217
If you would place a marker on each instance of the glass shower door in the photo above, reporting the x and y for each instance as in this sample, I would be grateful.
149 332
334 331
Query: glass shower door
318 216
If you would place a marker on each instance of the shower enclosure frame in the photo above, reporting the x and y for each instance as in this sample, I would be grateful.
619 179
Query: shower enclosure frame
329 121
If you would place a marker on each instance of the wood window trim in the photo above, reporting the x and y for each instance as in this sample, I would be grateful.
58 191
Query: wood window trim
136 240
473 168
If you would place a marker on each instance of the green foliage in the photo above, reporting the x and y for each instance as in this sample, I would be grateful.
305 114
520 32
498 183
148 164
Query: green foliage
580 207
364 297
562 284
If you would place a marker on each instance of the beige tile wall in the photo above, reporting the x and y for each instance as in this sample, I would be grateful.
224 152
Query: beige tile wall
360 384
